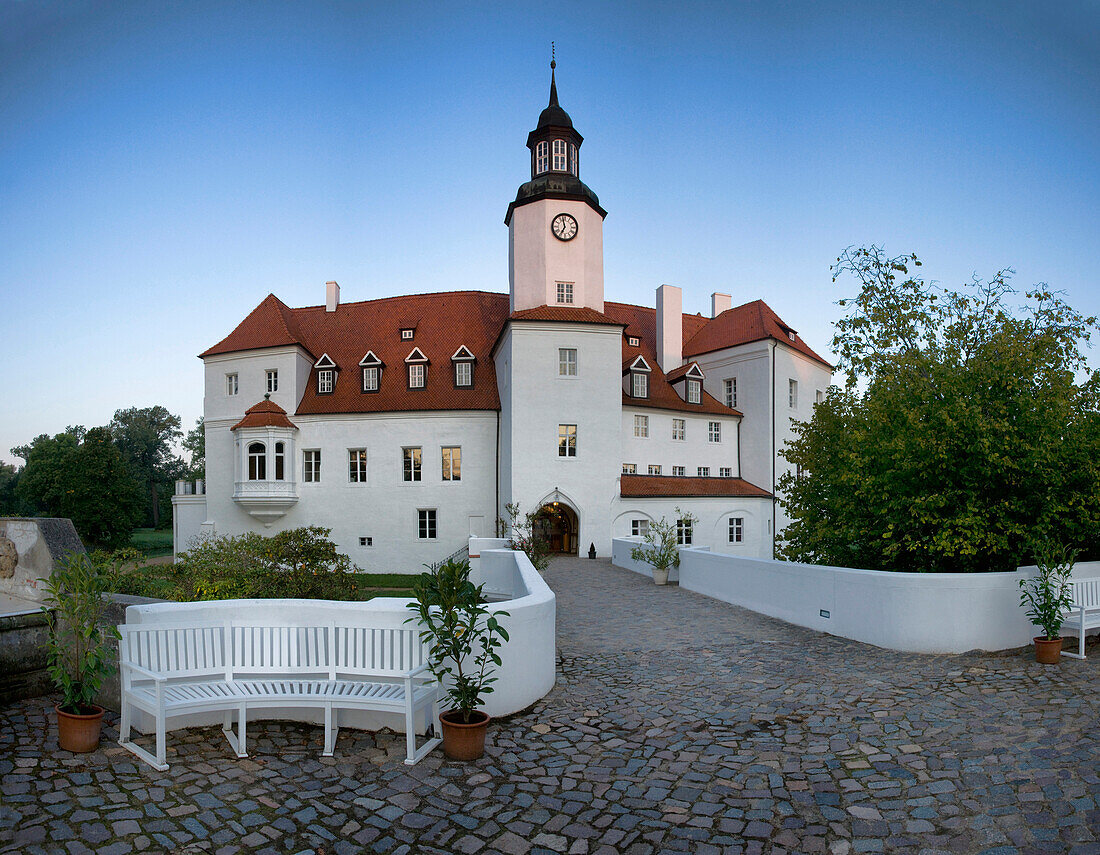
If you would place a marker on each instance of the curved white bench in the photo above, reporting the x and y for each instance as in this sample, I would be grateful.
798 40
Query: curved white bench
174 670
1084 614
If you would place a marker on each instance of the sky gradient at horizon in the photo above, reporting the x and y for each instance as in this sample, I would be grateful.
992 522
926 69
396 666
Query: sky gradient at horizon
163 167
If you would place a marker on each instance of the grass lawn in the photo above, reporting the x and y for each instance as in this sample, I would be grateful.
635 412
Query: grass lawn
152 542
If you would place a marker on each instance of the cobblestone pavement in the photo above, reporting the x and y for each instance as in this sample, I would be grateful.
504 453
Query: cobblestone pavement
677 724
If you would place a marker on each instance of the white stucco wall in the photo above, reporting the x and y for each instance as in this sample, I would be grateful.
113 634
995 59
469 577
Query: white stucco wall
711 529
188 515
538 260
693 451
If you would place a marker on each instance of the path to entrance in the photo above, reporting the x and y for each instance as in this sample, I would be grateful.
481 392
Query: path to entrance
678 724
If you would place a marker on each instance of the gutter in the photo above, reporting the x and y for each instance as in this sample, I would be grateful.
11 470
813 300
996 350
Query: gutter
774 500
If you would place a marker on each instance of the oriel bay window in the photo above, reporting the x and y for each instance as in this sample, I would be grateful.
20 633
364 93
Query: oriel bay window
280 461
257 461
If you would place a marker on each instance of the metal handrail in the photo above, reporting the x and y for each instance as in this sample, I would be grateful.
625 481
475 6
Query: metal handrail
462 550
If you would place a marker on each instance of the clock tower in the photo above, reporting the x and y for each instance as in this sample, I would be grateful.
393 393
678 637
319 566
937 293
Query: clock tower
555 224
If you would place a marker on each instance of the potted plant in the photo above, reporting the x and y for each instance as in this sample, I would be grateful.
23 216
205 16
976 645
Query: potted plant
78 646
462 637
661 549
1047 597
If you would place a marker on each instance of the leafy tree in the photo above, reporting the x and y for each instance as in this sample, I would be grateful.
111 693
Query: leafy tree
194 443
962 439
145 437
10 505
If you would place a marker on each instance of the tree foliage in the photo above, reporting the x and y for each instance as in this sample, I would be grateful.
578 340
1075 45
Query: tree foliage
144 436
967 432
194 443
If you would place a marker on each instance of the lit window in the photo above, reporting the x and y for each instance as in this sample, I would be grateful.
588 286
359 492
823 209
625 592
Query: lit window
464 374
257 462
407 335
425 520
654 468
694 391
410 469
731 392
567 362
683 532
703 471
630 468
452 463
714 431
792 393
311 466
542 157
574 166
678 470
280 461
567 440
565 292
325 381
231 386
272 382
679 428
366 541
357 465
416 376
559 155
737 529
639 384
725 472
641 426
639 528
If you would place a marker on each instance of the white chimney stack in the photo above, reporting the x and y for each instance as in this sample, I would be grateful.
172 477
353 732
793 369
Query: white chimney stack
670 327
332 296
719 302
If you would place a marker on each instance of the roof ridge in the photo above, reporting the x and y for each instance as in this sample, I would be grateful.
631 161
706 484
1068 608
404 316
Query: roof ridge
401 297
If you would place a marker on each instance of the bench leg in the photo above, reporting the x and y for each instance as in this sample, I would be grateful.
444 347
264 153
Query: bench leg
1080 654
332 728
161 737
415 755
236 742
125 741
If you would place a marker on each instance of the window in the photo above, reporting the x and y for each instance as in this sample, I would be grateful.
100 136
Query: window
406 335
737 529
641 426
559 155
725 472
542 157
567 440
425 518
792 393
678 470
683 532
280 461
231 387
678 428
654 468
410 467
633 341
694 391
574 167
639 383
325 380
464 374
567 362
357 465
565 292
639 528
370 379
703 471
452 463
630 468
714 431
819 396
311 466
257 461
730 388
272 381
366 541
416 376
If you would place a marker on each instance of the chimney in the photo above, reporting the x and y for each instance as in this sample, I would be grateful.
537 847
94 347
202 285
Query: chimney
719 302
670 327
332 296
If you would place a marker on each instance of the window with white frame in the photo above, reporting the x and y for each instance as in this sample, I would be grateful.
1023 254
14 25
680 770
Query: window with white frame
639 528
452 463
639 382
410 464
630 468
370 378
542 157
714 431
416 376
703 471
737 529
654 468
311 465
425 523
407 334
694 391
683 532
725 471
565 292
574 166
567 362
730 388
678 470
819 396
257 461
641 426
231 385
357 465
679 428
464 374
280 461
272 381
559 155
326 378
567 440
792 393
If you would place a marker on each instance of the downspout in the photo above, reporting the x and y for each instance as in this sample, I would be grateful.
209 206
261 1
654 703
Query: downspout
497 508
774 500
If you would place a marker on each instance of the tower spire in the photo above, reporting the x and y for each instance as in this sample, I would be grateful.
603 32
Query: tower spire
553 84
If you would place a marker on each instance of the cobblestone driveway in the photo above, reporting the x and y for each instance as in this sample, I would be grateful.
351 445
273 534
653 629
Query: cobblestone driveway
678 724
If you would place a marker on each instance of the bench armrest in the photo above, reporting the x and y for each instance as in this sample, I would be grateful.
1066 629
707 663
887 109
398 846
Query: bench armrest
416 672
144 672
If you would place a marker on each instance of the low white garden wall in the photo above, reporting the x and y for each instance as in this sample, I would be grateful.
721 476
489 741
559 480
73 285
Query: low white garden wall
914 612
621 548
528 658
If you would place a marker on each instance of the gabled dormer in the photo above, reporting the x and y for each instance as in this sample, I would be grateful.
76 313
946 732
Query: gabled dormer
687 380
463 361
636 375
416 364
371 367
327 370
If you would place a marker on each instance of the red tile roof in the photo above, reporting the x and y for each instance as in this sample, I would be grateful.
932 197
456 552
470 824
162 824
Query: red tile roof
753 321
676 486
270 324
264 414
681 372
567 314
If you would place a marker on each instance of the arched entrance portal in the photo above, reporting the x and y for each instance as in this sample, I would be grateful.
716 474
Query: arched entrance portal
557 523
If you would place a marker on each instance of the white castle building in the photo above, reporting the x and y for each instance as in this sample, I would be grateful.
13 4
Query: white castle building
406 424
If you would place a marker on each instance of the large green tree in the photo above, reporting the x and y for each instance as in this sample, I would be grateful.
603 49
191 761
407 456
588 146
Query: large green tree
194 443
145 436
966 433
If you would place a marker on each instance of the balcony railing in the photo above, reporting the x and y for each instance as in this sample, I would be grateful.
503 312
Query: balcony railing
265 490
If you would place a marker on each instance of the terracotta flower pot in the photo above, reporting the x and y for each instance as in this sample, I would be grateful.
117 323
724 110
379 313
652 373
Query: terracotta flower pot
79 733
1048 650
463 741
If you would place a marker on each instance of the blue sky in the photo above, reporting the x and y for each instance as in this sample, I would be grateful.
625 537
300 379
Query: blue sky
163 167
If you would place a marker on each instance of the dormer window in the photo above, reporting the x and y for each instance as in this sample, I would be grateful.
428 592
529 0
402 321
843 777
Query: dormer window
463 361
565 292
326 374
407 335
633 341
639 384
560 155
694 391
372 371
542 157
417 364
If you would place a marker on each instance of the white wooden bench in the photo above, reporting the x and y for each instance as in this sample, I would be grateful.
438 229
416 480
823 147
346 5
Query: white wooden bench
1084 614
174 670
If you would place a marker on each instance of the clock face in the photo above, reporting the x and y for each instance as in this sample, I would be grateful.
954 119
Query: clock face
564 227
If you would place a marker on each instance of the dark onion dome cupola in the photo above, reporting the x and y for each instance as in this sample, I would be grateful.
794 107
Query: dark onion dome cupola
555 158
